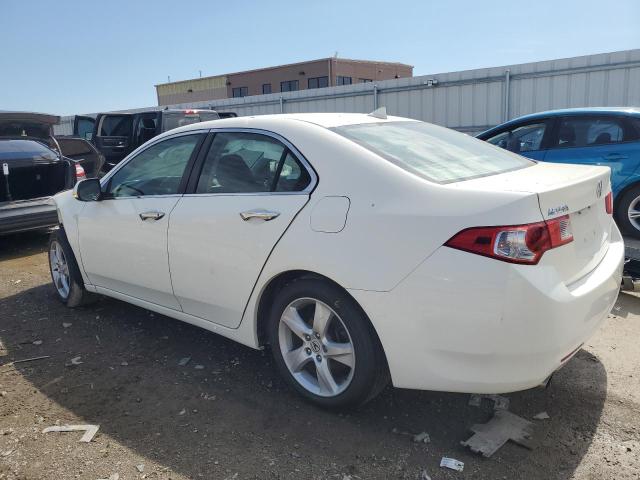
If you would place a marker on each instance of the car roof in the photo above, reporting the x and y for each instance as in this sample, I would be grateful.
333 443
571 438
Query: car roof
633 111
580 111
326 120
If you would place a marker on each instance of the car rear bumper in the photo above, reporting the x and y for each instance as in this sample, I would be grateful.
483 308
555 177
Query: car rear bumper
465 323
25 215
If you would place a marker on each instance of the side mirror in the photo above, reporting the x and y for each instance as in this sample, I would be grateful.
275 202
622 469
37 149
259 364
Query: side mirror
88 190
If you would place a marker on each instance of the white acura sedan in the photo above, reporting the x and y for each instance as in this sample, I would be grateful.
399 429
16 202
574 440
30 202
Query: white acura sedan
361 248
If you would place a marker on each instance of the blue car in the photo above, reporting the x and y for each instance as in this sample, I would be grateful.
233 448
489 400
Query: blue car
592 136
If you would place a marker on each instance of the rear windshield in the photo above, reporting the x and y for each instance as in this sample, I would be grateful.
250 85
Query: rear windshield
435 153
23 149
173 120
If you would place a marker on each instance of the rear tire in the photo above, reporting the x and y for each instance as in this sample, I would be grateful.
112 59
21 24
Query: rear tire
324 345
628 212
65 274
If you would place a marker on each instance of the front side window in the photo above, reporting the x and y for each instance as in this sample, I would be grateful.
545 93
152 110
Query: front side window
588 132
156 170
525 138
240 92
289 86
342 80
116 125
239 162
434 153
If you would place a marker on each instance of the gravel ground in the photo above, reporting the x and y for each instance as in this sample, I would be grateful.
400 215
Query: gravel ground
226 413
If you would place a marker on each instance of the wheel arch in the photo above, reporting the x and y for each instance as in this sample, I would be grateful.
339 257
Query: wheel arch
276 283
625 189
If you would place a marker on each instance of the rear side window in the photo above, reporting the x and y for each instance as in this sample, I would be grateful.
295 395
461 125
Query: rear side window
435 153
593 131
239 162
116 126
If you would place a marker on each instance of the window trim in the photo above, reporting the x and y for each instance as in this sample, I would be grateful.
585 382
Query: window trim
233 90
317 79
196 169
105 181
290 82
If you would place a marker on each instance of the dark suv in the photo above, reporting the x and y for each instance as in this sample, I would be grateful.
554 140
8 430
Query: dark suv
118 134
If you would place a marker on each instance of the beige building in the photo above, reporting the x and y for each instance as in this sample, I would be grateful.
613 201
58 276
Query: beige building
326 72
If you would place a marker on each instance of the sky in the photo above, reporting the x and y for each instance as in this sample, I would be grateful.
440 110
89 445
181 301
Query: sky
72 56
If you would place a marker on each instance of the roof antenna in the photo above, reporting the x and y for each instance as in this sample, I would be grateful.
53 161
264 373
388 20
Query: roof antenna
379 113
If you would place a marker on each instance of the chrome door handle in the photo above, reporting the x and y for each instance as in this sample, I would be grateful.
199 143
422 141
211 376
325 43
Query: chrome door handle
265 215
151 216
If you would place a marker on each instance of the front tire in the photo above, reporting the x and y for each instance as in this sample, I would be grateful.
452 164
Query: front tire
65 273
628 212
324 345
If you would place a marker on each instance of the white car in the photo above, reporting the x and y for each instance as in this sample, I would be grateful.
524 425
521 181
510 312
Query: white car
359 247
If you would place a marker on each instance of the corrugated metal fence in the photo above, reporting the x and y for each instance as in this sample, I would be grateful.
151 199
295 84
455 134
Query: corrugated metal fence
470 100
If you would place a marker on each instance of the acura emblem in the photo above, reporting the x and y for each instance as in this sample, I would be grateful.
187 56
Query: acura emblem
599 189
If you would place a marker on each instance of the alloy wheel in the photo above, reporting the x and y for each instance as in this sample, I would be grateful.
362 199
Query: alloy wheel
316 347
59 269
634 213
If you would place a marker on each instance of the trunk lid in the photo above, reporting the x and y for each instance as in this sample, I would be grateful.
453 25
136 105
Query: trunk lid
578 191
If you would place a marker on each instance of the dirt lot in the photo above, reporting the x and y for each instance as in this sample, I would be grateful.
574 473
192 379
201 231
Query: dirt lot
227 414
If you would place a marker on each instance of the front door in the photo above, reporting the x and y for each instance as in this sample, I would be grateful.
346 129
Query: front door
221 233
123 238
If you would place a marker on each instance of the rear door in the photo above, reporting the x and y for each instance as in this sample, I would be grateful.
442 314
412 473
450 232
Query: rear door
249 188
113 137
528 138
607 140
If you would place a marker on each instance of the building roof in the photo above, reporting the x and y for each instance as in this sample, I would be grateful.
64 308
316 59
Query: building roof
349 60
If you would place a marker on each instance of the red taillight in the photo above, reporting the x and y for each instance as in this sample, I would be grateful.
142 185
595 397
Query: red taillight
80 174
515 243
608 203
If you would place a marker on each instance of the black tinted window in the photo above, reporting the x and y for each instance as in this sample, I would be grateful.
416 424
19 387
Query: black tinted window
592 131
17 149
156 170
116 126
